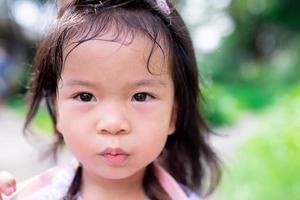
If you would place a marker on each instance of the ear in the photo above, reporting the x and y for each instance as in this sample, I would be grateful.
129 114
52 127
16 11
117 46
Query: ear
172 126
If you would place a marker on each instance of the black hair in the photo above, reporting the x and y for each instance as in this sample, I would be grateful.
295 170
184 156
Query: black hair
187 155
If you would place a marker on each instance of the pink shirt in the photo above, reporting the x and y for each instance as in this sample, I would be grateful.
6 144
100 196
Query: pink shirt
54 184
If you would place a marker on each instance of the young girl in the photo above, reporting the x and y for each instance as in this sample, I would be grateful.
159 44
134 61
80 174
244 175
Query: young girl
120 81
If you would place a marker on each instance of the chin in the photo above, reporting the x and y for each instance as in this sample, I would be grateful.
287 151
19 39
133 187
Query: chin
116 176
122 173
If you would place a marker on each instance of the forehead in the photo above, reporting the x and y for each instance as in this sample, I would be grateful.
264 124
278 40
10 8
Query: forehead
102 62
108 52
153 54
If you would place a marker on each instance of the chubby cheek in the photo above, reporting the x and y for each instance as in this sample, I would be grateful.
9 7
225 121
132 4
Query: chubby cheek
149 148
70 120
150 143
70 125
158 120
70 135
75 139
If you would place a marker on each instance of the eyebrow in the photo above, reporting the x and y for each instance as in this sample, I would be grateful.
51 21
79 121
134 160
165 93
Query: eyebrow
78 82
144 82
149 82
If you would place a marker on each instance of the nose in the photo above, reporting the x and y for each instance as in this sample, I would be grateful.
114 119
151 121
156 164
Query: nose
113 121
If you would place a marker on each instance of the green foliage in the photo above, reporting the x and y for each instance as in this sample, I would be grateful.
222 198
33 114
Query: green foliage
256 64
42 120
219 107
251 86
16 103
267 166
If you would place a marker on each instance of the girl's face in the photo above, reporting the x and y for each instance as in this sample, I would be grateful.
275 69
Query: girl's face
115 116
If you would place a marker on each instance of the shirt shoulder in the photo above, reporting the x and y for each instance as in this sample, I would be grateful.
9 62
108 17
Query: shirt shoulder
190 193
50 185
194 196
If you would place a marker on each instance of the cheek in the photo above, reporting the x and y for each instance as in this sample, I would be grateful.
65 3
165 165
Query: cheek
150 147
74 136
158 113
70 119
66 129
74 129
62 124
153 133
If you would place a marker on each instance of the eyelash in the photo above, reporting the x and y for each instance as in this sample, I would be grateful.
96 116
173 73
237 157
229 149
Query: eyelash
77 96
150 97
146 97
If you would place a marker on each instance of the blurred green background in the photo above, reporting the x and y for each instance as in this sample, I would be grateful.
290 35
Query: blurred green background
248 56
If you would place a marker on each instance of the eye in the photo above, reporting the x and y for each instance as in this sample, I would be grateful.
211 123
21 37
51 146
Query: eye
85 97
142 96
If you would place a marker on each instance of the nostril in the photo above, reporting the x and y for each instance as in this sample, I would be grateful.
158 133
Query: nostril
113 128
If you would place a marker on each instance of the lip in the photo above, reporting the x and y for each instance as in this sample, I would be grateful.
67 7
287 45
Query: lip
114 156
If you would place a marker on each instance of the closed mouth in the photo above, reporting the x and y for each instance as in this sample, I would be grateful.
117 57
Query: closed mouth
114 152
114 156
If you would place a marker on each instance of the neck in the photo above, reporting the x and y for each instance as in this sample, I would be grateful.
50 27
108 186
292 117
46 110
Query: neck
96 187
